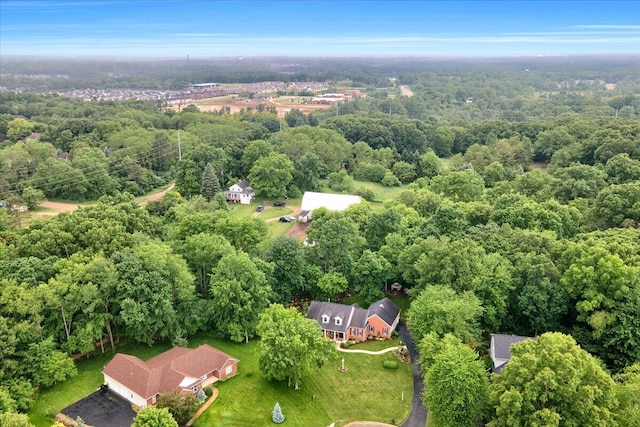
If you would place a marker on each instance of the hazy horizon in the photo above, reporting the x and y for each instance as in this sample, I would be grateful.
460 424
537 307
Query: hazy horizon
458 29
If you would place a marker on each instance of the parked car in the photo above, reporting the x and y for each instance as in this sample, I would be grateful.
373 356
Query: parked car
285 219
260 208
278 204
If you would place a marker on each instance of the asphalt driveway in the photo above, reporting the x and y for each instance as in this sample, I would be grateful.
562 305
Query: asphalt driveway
418 414
102 409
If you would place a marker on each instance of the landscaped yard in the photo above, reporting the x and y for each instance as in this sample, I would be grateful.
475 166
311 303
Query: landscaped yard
366 391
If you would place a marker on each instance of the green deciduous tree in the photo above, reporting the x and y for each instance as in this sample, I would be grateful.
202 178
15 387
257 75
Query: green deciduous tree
628 394
456 386
271 175
152 416
440 310
330 285
240 293
291 346
181 406
289 265
552 381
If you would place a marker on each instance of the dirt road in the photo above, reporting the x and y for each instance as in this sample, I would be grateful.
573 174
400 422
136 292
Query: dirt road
58 207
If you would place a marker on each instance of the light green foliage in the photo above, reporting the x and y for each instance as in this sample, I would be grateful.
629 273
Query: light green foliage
32 197
152 416
18 129
607 291
461 186
628 394
617 206
337 239
456 386
464 266
291 346
270 176
10 419
552 382
240 293
330 285
341 181
440 310
390 180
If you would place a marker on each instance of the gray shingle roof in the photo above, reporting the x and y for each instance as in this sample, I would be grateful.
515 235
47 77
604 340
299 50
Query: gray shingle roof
352 315
318 309
500 350
384 309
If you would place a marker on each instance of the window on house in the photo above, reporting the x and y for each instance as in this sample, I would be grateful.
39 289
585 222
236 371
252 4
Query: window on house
194 388
229 370
385 331
338 321
360 332
204 377
372 328
325 318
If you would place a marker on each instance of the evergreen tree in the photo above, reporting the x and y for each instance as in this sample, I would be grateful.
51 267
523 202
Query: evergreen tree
210 184
277 416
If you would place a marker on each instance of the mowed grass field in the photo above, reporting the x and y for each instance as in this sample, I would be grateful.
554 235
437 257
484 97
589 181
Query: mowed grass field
366 391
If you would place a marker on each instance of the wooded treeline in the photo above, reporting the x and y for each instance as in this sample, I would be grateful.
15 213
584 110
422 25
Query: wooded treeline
501 244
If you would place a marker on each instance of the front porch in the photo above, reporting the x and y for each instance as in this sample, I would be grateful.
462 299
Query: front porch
336 336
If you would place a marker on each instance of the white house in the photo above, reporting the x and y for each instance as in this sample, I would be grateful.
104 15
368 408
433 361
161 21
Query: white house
331 202
240 192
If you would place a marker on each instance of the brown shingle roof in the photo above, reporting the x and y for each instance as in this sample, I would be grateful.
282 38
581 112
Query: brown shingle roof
165 372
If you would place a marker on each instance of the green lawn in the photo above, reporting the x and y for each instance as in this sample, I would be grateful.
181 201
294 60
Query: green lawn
382 192
365 392
51 400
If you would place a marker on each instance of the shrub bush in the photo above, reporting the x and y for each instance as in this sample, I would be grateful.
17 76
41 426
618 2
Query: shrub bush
208 391
345 344
390 364
248 373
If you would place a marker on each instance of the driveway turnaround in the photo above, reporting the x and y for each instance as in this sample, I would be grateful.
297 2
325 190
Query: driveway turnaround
102 409
418 414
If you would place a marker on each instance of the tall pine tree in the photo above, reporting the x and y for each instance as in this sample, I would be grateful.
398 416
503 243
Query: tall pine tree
210 183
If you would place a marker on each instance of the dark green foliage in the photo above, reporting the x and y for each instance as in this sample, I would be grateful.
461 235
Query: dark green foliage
210 184
390 364
181 406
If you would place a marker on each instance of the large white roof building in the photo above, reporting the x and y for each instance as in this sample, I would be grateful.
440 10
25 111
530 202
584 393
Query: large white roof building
332 202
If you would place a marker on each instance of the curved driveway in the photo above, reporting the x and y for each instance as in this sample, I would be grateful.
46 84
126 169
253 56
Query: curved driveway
418 415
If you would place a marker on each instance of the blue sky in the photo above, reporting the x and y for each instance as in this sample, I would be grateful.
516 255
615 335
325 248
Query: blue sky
317 28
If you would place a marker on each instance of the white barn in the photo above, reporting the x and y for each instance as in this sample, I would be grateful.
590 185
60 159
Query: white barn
332 202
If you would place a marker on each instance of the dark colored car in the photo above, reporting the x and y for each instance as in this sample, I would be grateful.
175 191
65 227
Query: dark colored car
278 204
260 208
285 219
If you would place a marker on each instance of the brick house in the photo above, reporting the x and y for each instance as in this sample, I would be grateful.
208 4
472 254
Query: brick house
180 369
350 322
